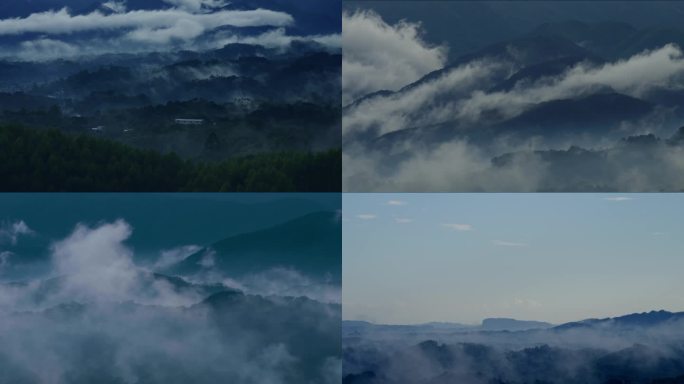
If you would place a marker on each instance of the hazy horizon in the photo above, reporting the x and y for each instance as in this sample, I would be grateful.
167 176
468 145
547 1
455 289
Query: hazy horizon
417 258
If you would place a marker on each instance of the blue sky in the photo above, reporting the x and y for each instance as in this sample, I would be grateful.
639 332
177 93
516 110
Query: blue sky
412 258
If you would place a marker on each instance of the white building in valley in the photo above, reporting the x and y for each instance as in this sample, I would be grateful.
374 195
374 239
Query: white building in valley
189 121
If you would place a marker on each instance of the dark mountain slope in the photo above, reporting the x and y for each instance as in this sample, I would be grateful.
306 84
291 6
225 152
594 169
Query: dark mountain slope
596 114
535 72
310 243
51 290
504 324
601 111
537 52
453 23
524 52
612 40
634 320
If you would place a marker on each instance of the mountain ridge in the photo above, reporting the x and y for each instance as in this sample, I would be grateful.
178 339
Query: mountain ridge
647 319
310 243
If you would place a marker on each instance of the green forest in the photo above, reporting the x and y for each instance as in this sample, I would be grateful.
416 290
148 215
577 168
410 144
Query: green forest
51 161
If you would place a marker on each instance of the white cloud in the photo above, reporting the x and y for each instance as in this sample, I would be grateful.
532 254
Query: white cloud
618 198
150 30
197 5
172 256
460 165
115 6
634 76
529 303
96 263
46 49
367 216
287 282
403 220
12 231
5 259
162 39
380 56
183 29
278 38
396 202
147 31
458 227
332 370
464 90
503 243
62 22
208 259
451 166
416 106
94 294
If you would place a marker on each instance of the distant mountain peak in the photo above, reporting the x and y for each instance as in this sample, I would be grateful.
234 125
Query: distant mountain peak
223 298
633 320
508 324
309 243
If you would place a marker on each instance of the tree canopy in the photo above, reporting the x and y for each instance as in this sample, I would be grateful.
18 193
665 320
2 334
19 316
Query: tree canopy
49 160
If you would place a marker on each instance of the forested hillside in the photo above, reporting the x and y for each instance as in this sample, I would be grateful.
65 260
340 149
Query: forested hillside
48 160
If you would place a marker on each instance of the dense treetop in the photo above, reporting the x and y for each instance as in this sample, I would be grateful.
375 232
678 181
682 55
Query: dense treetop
48 160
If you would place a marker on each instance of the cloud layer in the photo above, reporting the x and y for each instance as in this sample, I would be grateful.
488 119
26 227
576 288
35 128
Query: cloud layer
403 57
530 356
62 22
11 232
458 227
462 166
278 38
96 263
466 99
452 166
188 24
198 5
98 317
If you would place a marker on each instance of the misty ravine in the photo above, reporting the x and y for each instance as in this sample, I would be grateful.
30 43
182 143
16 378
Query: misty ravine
170 95
576 103
636 348
95 314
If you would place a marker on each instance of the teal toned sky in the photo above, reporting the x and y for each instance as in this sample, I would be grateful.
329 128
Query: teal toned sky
412 258
159 221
